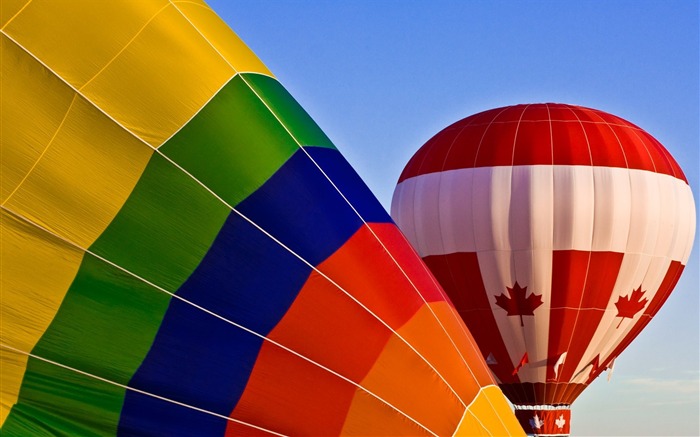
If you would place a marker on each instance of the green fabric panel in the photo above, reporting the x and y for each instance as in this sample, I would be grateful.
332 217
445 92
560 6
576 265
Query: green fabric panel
288 110
165 227
56 399
105 326
106 323
234 144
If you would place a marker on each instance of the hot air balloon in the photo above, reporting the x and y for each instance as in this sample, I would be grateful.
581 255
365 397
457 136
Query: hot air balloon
558 232
185 253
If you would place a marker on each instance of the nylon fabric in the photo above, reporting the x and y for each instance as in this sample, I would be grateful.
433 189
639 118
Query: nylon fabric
556 230
185 252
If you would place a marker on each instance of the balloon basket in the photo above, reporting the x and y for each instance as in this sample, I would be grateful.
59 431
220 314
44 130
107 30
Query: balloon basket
544 420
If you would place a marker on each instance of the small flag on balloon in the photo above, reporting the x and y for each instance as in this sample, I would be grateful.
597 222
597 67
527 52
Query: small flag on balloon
523 361
558 364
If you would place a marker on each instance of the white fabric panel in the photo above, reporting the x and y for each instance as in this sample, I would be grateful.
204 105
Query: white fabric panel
612 207
542 211
498 273
456 218
490 207
520 217
644 225
533 269
686 216
667 212
426 214
402 210
574 207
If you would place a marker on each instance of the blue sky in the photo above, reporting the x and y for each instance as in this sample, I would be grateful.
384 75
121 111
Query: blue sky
381 77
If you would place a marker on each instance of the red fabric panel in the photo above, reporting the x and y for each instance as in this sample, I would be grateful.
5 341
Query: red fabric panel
496 146
533 145
327 326
635 151
605 149
582 284
364 269
580 136
460 276
462 153
570 146
289 395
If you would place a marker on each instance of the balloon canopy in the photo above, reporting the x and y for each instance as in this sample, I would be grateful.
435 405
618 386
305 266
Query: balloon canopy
184 252
558 232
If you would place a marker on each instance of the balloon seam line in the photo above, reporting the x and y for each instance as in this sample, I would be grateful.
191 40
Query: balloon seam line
250 221
213 314
43 152
136 390
133 38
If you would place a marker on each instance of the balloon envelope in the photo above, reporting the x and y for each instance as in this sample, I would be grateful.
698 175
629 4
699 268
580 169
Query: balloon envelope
184 252
558 232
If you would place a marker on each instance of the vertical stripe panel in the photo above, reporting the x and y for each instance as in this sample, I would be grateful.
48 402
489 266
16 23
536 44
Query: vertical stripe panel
574 206
611 209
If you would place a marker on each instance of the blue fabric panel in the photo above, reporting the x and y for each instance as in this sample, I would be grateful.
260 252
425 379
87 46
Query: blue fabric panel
301 208
350 184
246 277
201 360
144 415
196 359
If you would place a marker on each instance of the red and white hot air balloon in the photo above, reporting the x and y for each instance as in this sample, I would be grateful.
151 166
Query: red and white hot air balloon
558 232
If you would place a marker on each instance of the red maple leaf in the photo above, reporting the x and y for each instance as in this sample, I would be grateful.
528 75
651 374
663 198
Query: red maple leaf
628 306
517 304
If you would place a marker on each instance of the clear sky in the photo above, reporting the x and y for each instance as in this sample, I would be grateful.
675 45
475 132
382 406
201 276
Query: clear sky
381 77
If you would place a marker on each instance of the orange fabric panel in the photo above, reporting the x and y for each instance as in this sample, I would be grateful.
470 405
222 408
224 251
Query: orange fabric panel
289 395
404 380
459 333
368 413
424 333
327 326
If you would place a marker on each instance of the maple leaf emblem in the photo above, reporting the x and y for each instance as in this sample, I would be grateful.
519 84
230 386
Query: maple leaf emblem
560 422
536 422
517 304
628 306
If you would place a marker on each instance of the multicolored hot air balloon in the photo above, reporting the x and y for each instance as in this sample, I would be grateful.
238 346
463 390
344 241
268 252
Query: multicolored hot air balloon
558 232
185 253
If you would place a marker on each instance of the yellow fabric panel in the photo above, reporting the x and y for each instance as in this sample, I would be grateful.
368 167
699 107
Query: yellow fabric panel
37 270
217 32
8 9
27 128
74 38
471 427
504 410
427 336
149 88
12 368
83 178
494 413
